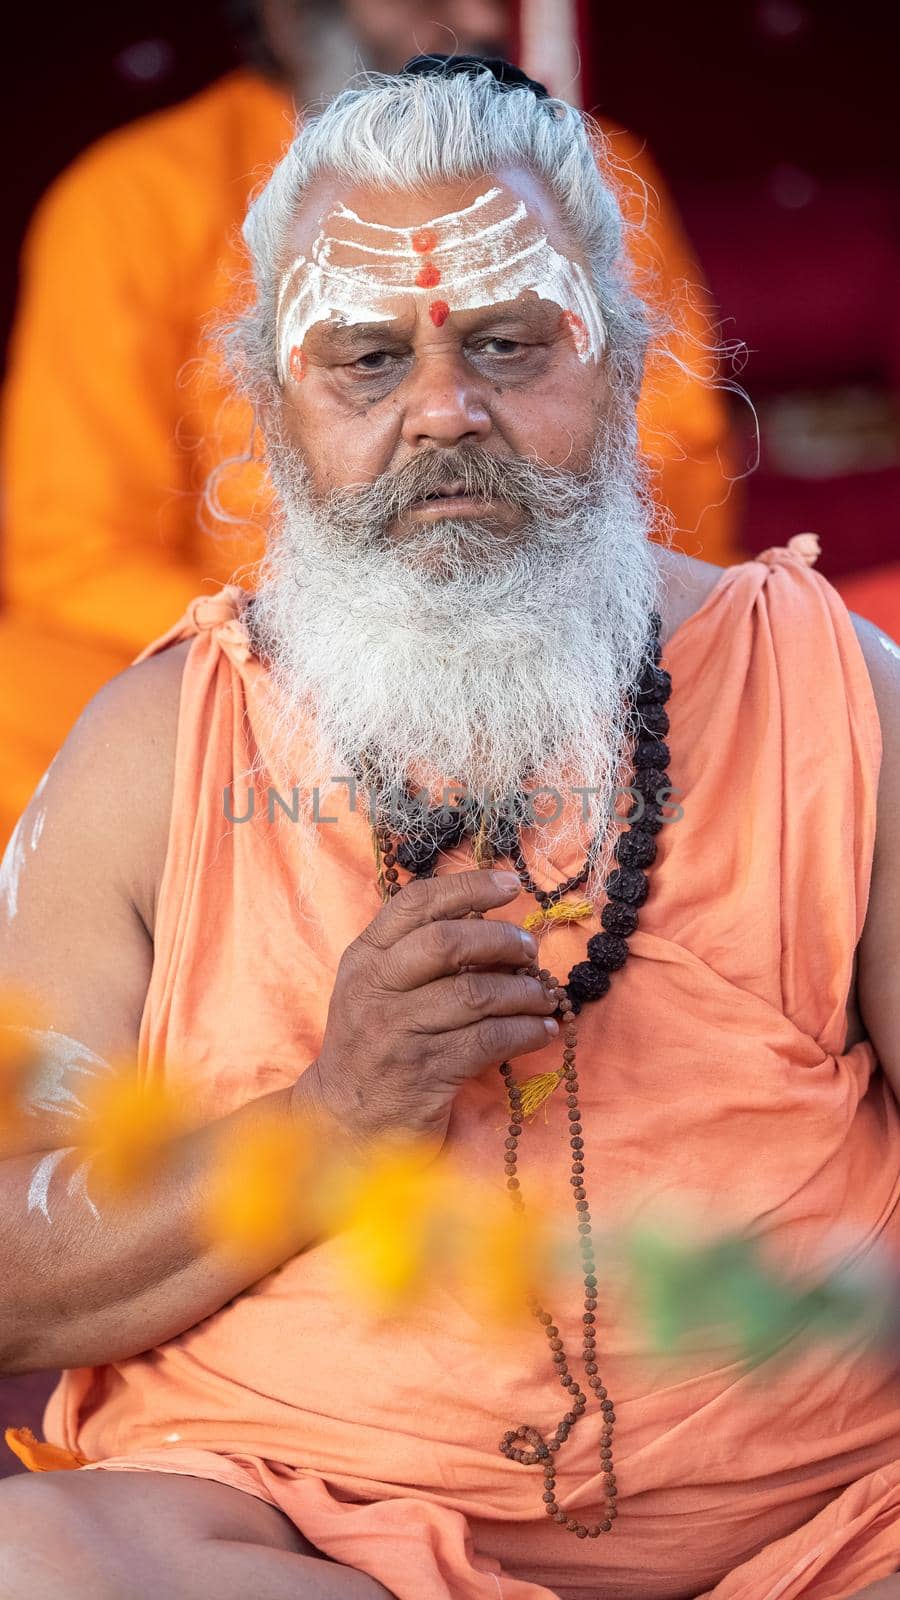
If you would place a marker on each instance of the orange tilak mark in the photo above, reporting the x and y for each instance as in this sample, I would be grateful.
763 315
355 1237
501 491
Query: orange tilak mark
424 240
439 311
428 277
578 330
297 364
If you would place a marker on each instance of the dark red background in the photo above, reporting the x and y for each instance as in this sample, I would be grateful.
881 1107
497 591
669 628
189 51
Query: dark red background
723 93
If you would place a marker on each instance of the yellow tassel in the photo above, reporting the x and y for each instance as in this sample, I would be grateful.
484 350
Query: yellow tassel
481 846
563 911
538 1089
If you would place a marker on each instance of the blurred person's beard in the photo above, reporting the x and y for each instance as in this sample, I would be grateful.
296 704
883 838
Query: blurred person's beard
448 653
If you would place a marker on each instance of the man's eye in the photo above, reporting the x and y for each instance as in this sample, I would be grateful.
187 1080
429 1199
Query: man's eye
374 361
502 347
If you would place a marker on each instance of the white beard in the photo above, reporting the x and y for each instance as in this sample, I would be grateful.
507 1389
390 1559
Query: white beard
505 668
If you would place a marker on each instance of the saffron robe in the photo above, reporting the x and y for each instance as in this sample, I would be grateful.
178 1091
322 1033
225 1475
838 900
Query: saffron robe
714 1073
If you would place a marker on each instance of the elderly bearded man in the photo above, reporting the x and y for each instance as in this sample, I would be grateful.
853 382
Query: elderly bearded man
446 354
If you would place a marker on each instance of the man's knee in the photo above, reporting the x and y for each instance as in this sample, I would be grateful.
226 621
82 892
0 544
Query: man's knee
102 1536
48 1548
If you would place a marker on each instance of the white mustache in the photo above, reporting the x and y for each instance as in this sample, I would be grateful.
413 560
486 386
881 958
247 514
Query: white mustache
532 487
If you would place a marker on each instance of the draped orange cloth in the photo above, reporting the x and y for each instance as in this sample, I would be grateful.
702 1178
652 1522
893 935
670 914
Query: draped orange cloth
712 1075
116 410
38 1456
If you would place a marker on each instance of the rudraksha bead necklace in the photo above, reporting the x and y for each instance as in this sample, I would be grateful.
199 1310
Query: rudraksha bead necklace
442 828
626 889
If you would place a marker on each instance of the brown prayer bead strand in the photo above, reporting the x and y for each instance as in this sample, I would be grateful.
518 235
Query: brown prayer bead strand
557 1349
582 1206
388 859
548 897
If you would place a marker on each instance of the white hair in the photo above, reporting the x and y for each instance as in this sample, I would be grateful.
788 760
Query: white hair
397 132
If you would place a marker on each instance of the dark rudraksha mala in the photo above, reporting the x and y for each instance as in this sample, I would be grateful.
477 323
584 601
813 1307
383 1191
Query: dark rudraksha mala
626 890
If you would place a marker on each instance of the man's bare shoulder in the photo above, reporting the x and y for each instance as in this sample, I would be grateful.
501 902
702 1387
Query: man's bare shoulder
882 653
879 948
686 584
81 872
107 795
882 657
127 734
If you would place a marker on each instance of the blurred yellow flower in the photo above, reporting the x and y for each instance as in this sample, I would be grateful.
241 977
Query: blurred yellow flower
504 1256
260 1186
409 1228
127 1129
397 1224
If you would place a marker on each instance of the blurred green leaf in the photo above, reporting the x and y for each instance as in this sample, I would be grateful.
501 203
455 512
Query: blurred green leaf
724 1289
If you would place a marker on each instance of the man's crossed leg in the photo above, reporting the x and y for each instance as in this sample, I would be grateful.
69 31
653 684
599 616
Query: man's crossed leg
142 1535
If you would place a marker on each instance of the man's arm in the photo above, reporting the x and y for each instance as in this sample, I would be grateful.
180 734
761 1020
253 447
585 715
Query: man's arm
878 975
79 1288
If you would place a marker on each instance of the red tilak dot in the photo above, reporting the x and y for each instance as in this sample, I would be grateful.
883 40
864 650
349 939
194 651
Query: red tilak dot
428 277
439 311
578 329
297 364
424 240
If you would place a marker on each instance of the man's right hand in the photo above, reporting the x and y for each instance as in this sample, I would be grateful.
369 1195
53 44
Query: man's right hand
410 1019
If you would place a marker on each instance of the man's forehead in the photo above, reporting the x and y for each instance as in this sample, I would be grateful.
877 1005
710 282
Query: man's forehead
359 252
348 211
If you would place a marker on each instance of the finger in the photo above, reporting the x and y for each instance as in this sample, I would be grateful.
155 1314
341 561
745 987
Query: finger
497 1039
426 900
453 1003
443 948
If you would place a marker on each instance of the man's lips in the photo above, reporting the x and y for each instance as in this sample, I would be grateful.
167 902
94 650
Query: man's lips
451 490
449 500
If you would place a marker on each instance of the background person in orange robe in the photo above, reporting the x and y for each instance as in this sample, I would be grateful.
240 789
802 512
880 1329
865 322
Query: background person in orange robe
114 412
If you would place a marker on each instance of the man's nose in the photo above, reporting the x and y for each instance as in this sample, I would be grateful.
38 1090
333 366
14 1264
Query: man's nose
444 404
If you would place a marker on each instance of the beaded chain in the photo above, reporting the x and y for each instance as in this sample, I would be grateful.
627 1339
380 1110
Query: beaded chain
626 889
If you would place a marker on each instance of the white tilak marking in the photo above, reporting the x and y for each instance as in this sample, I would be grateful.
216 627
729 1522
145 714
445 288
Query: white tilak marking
58 1058
39 1187
402 237
449 241
448 220
77 1186
484 268
38 828
13 862
451 282
11 869
889 645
